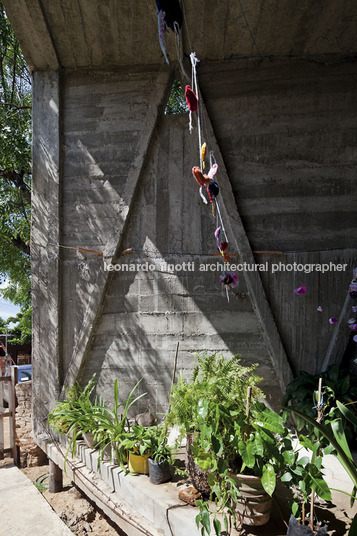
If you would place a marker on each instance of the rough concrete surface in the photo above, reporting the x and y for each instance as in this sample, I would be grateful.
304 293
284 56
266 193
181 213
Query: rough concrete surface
23 510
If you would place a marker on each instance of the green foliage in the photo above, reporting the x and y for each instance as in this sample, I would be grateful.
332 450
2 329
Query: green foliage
338 385
111 426
334 433
215 380
15 168
177 101
77 414
212 406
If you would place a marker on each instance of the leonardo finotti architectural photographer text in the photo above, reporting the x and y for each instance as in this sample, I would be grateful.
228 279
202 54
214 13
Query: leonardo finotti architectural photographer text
223 267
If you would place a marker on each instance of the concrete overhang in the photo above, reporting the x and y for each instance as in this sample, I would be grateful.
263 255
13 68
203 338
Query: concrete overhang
109 33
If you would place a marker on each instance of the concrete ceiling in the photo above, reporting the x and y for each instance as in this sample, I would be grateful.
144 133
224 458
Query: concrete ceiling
107 33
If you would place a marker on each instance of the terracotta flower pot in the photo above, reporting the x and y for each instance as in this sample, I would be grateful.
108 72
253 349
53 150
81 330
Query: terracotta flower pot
254 507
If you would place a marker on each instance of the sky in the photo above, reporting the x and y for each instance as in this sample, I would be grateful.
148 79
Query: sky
7 308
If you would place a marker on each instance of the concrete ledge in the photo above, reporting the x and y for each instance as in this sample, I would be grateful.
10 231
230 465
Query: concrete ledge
132 502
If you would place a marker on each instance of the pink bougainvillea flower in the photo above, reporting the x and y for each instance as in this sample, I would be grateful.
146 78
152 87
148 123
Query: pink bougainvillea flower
332 320
353 327
355 338
351 321
319 309
300 290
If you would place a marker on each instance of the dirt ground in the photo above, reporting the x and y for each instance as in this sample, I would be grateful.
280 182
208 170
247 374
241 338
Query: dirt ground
73 508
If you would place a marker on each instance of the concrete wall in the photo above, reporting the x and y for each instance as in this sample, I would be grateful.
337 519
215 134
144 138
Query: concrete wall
287 134
114 173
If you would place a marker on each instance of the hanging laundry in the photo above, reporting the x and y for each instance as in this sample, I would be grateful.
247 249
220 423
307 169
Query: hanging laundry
213 171
203 154
172 12
213 190
353 285
191 99
161 23
229 279
203 180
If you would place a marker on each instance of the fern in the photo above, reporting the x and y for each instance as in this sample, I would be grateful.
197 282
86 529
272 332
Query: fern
216 380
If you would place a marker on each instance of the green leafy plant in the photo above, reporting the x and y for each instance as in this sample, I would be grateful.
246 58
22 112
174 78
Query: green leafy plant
226 438
139 440
77 413
214 379
160 450
333 432
253 442
338 386
64 417
113 425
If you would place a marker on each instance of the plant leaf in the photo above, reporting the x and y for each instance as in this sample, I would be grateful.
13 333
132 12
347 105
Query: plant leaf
339 433
317 483
286 477
205 522
347 413
268 478
217 526
258 444
353 528
295 508
246 450
217 444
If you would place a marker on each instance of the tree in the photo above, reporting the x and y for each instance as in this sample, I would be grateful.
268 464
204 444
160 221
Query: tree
177 102
15 172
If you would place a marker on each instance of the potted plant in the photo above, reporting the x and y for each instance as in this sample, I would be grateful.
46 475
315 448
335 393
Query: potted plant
244 453
338 386
221 383
77 413
333 434
139 443
160 461
113 426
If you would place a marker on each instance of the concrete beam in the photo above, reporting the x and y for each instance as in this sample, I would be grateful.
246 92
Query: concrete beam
31 29
46 200
240 242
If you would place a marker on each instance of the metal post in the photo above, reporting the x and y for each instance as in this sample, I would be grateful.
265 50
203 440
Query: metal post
56 478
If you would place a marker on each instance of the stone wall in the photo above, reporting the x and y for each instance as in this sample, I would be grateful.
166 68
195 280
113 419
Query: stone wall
30 454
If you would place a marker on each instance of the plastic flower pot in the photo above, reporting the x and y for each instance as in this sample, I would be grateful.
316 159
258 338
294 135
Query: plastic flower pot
296 529
159 472
254 506
138 464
